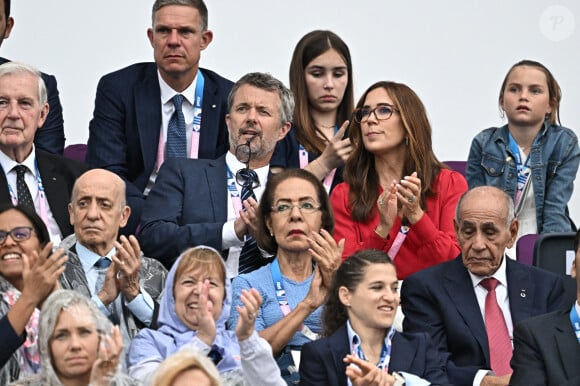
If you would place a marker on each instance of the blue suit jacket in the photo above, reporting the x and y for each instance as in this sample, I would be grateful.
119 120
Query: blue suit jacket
546 352
440 301
58 177
50 137
185 208
124 132
321 361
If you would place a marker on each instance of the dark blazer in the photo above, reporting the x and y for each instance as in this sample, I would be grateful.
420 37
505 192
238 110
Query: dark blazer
546 352
321 360
124 132
58 177
50 137
10 341
440 300
186 207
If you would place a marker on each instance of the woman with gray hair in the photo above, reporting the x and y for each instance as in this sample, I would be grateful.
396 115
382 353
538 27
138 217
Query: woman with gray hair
78 345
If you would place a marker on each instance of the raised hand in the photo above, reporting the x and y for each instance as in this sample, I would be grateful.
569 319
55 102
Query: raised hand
40 273
251 301
326 253
409 196
108 359
387 207
128 261
206 330
365 373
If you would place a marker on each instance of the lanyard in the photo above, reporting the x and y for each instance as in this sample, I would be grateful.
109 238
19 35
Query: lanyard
283 299
575 321
234 194
522 167
303 158
42 203
197 105
398 242
385 357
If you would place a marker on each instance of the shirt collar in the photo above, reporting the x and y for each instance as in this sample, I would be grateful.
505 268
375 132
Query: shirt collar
354 339
88 258
500 274
167 92
8 163
234 164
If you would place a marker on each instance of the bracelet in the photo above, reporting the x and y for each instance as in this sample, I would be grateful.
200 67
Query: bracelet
386 237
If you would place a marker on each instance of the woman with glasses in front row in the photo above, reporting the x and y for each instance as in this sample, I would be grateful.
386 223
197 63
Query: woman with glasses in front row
397 196
29 272
295 223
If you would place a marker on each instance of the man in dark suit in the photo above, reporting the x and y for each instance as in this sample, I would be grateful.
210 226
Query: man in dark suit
125 285
449 300
198 202
50 137
46 179
547 347
135 105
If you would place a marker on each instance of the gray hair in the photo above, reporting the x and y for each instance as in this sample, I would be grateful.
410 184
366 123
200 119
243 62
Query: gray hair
266 82
508 203
13 68
51 309
197 4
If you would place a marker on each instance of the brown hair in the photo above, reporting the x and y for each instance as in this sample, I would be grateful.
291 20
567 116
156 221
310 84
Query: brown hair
554 91
312 45
360 172
263 238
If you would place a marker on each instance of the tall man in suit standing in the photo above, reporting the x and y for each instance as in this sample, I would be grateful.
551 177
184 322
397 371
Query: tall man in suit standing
469 305
200 202
149 112
547 347
50 137
30 176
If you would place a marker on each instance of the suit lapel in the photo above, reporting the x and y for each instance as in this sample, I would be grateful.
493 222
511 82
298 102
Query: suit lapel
568 347
459 288
520 291
4 193
216 177
209 129
74 276
54 183
148 110
339 347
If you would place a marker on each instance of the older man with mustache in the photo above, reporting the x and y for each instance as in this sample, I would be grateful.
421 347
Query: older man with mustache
214 202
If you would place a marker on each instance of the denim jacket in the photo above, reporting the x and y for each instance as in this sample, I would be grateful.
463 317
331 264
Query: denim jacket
554 162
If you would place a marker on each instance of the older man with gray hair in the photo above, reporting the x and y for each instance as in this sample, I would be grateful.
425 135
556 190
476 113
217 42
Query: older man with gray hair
202 202
30 176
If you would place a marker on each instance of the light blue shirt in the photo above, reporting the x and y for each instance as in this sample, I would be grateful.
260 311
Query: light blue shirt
142 306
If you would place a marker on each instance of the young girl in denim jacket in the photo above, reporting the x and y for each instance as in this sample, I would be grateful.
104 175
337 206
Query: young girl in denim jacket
532 158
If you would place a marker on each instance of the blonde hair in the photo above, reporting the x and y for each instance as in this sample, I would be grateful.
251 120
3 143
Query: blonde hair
184 360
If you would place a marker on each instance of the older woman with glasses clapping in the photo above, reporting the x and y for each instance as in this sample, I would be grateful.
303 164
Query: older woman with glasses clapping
295 222
397 196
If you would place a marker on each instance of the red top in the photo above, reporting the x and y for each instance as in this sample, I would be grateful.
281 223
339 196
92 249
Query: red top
430 241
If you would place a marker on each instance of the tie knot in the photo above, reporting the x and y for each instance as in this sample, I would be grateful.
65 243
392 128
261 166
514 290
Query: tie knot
247 178
103 263
177 101
489 284
20 170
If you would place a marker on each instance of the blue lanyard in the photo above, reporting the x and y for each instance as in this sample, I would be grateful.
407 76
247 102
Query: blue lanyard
385 357
279 285
232 187
575 321
198 103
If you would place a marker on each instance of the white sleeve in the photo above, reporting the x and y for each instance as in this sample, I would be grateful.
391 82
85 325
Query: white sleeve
260 367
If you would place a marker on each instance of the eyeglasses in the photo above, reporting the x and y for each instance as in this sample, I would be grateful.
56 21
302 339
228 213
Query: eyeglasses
18 234
304 207
382 112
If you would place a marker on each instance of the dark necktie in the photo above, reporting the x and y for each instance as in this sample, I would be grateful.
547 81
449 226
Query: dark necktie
250 256
24 197
101 265
176 137
500 347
